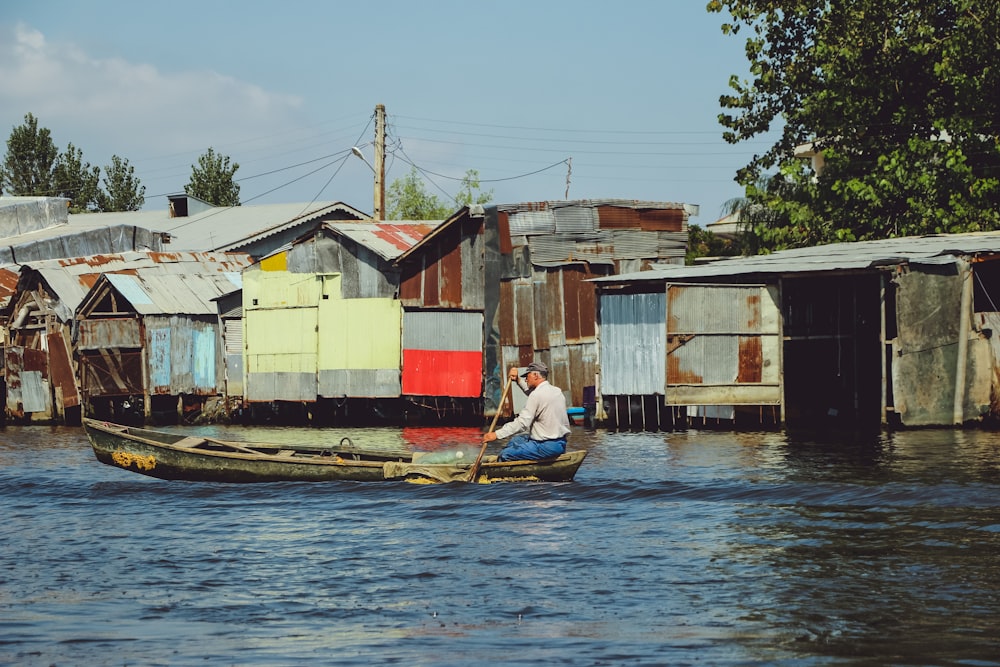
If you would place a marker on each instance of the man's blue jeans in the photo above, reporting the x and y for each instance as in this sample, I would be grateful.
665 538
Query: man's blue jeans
521 448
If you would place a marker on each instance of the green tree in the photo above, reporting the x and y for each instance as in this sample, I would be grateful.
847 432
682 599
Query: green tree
76 180
28 167
212 180
122 190
703 243
898 98
408 199
470 192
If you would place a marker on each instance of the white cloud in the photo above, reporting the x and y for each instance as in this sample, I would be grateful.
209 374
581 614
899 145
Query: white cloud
135 110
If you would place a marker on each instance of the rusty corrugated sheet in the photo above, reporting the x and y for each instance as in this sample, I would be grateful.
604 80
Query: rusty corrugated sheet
8 285
61 371
524 313
575 220
27 377
387 239
663 220
548 309
530 223
447 272
723 345
116 332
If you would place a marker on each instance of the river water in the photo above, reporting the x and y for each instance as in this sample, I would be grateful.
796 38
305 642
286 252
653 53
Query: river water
696 547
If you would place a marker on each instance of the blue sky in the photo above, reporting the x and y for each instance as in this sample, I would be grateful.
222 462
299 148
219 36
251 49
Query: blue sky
629 90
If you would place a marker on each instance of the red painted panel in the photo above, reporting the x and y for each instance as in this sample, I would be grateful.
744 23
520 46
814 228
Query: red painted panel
443 373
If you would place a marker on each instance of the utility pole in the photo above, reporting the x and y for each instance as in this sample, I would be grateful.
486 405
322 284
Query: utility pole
379 162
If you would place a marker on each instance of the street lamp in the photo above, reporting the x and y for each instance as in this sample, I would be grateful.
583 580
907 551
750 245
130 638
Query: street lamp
357 151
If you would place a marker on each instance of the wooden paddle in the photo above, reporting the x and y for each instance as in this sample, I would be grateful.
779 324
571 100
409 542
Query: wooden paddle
474 470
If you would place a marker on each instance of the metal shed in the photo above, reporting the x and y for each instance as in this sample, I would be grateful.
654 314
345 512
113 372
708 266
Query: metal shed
895 332
149 345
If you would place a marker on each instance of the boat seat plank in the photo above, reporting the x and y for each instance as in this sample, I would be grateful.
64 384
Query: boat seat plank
190 442
286 452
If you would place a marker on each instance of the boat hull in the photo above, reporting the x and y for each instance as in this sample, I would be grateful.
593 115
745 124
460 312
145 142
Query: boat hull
173 456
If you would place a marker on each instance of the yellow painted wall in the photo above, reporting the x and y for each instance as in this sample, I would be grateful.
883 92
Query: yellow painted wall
278 262
280 315
360 333
280 289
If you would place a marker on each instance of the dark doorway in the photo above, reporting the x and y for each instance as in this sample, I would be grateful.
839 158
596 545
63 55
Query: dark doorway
832 354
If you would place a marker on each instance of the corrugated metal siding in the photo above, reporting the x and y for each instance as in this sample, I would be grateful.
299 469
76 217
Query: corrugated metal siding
280 356
531 223
442 354
182 356
234 356
447 272
27 381
454 373
281 325
726 339
61 371
633 343
442 330
359 383
110 332
360 335
575 220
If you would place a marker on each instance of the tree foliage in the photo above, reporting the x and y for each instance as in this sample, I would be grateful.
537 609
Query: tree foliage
901 100
34 167
407 197
28 167
212 180
470 193
703 243
76 180
122 190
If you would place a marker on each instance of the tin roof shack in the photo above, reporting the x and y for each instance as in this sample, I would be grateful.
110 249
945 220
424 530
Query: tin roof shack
190 224
897 331
149 346
539 258
323 324
442 290
39 369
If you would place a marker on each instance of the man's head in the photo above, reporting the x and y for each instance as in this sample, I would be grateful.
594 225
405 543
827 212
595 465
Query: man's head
535 373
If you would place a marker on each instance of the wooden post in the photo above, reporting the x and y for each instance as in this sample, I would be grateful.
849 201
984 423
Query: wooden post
379 162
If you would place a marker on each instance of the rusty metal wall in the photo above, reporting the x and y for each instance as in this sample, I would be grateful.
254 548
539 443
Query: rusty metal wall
448 272
723 345
26 376
111 332
183 355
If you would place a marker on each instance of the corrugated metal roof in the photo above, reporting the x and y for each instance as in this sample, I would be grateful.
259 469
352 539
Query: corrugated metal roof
387 239
71 279
165 294
219 228
832 257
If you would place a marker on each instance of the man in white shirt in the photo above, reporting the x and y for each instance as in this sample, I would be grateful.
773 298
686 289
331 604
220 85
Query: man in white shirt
543 424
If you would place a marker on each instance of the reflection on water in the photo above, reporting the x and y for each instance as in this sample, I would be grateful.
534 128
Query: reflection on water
669 548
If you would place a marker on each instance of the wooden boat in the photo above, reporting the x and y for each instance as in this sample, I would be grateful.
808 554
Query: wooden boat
176 456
